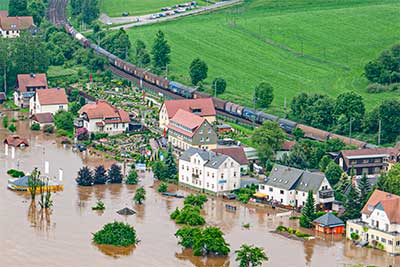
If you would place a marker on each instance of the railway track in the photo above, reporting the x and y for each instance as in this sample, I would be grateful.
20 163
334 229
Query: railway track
56 12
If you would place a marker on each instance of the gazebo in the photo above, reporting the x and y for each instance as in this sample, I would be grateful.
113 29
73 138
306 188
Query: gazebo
329 224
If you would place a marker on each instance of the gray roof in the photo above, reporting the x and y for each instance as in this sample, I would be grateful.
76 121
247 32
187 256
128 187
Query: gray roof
329 219
289 178
213 159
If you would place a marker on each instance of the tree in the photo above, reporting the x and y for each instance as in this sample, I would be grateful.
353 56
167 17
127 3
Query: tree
132 177
5 122
189 215
85 177
115 174
308 212
34 183
364 187
333 173
325 160
160 171
90 10
17 8
268 138
116 234
391 181
142 56
334 145
298 133
12 128
160 51
198 71
76 7
250 256
390 122
352 205
140 195
100 176
171 164
195 200
188 235
264 94
163 188
37 10
349 106
64 120
211 242
219 85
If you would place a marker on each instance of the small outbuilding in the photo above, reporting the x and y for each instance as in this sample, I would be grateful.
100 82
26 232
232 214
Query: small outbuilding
43 119
329 224
16 141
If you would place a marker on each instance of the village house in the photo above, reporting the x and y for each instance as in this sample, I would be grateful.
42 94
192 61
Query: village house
329 224
236 153
102 117
186 130
290 186
371 162
203 107
379 222
16 141
11 27
43 119
208 171
27 84
49 100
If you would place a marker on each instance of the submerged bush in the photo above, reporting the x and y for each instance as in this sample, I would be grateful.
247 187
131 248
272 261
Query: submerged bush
116 234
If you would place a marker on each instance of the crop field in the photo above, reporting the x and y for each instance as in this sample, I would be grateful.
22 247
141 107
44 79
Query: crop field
4 5
114 8
316 46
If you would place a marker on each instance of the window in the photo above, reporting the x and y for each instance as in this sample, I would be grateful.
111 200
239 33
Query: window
262 187
398 243
60 107
212 175
390 242
183 167
234 174
281 192
209 130
281 200
222 176
208 174
372 236
351 230
208 185
271 189
231 164
356 231
225 165
383 240
212 186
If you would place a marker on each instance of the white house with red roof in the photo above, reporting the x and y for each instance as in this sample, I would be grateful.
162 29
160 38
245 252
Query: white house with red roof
48 101
186 129
379 222
203 107
27 84
103 117
10 27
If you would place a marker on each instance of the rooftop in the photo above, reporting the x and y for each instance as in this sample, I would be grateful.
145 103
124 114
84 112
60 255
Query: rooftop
328 219
213 160
200 106
31 80
390 203
51 96
190 122
3 13
16 23
101 109
43 117
237 153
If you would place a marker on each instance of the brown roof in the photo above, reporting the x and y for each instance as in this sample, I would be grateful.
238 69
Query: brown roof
43 117
314 133
101 109
205 105
15 141
390 203
16 23
3 13
288 145
237 153
52 96
31 80
369 151
188 120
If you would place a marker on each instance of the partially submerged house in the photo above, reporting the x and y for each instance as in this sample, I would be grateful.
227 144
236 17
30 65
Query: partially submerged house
16 141
43 119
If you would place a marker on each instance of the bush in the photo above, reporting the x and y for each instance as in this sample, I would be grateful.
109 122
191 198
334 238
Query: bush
35 127
354 236
194 200
48 129
61 132
15 173
163 188
99 206
12 128
375 88
189 215
116 234
281 228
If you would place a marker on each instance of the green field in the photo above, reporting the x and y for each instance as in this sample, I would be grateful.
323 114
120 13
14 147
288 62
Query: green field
296 45
115 8
4 5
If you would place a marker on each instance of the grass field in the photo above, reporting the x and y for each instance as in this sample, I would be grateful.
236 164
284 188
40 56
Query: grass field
3 4
296 45
114 8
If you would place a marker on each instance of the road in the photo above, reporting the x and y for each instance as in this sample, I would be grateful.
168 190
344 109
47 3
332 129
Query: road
145 19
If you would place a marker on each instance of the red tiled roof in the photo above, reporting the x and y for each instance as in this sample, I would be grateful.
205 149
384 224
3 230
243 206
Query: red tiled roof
237 153
52 96
16 23
43 117
102 110
15 141
188 120
287 145
369 151
28 80
3 13
206 105
390 203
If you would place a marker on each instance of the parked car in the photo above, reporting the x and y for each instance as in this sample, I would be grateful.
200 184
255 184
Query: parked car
154 16
125 14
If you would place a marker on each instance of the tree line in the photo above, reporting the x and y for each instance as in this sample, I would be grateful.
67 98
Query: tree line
85 10
34 8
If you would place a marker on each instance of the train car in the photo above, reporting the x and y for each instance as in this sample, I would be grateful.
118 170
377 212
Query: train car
249 114
348 141
261 117
314 133
229 107
181 89
287 125
239 111
218 103
198 94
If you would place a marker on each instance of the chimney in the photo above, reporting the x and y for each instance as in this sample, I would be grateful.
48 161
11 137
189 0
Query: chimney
33 75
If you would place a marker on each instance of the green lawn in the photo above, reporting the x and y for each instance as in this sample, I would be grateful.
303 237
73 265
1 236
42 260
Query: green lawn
114 8
3 4
264 40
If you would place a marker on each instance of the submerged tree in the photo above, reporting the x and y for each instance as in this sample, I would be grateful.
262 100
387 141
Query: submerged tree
116 234
45 201
85 177
195 200
115 174
250 256
100 175
34 183
140 195
132 177
163 188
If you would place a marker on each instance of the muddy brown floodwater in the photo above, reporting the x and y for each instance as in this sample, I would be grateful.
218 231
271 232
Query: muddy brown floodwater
62 236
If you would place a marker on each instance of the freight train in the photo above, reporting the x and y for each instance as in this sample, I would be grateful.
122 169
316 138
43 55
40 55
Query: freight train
221 105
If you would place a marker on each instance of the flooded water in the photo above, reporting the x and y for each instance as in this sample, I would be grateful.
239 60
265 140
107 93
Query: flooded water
62 236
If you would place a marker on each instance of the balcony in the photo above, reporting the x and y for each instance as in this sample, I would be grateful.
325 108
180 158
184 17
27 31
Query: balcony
195 175
324 194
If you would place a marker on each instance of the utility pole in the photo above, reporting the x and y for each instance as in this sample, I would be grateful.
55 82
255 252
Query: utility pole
255 102
215 88
351 120
379 132
284 107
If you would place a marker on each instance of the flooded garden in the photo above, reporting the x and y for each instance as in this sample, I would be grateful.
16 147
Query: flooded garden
62 236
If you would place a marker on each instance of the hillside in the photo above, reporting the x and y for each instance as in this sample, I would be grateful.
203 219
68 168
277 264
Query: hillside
265 40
